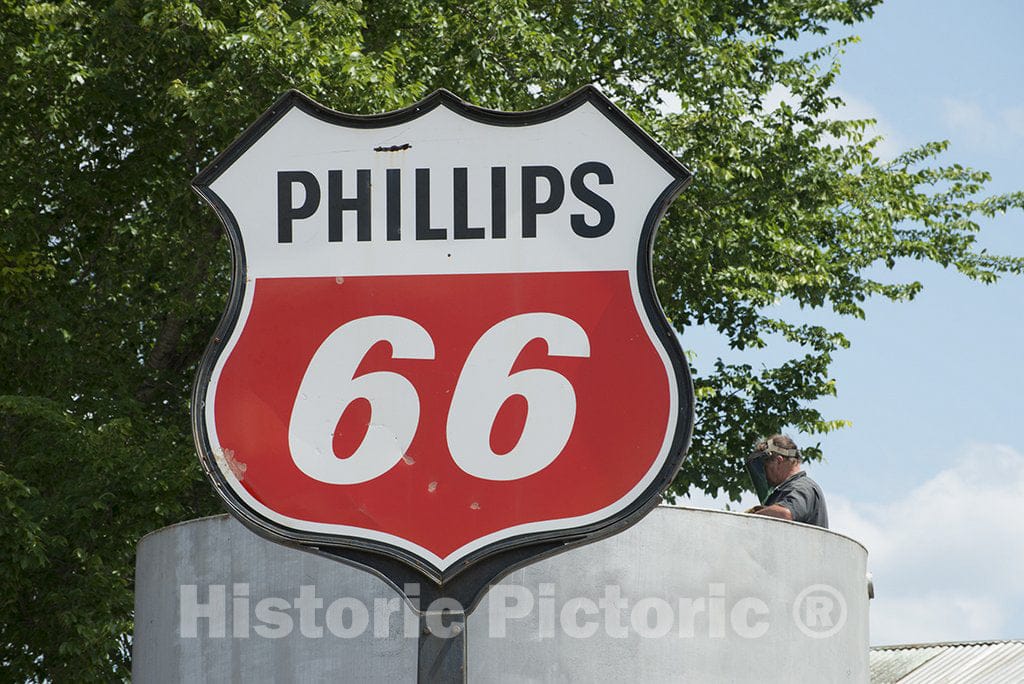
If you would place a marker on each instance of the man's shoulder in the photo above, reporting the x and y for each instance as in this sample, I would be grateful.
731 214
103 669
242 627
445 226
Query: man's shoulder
815 486
804 478
798 482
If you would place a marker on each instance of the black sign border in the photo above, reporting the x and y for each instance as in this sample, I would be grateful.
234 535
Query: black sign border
466 580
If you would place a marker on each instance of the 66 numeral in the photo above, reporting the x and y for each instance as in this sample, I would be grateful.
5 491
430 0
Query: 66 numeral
484 385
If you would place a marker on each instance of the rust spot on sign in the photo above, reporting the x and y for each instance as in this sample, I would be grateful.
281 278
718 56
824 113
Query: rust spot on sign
237 468
432 487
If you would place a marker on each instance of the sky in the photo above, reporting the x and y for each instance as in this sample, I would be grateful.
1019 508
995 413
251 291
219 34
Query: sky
930 476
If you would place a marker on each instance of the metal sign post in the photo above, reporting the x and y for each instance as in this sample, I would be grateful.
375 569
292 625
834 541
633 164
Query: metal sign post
443 355
442 657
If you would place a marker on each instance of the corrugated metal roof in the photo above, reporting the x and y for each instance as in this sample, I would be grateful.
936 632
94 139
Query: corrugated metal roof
979 662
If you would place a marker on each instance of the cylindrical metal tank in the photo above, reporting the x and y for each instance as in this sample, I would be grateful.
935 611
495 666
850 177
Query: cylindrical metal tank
685 595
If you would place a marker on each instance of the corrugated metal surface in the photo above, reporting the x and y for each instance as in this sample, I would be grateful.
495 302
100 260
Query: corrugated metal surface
889 665
988 662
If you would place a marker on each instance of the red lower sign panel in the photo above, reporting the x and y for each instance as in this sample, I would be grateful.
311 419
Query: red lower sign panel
511 404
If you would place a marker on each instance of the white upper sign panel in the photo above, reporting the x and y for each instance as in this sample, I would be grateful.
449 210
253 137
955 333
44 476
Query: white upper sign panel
441 194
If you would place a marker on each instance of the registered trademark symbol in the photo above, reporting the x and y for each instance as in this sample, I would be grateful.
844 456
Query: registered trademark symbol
820 611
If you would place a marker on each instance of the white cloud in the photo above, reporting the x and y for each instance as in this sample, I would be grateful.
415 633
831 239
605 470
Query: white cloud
929 618
854 107
1013 119
891 144
947 556
670 103
969 121
989 129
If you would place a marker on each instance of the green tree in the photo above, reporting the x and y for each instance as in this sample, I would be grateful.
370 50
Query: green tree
113 274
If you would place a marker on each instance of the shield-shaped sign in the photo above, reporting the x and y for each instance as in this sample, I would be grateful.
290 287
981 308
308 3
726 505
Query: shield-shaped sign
443 342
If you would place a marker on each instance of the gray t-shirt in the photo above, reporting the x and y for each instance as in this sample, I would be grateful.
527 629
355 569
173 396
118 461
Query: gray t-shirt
803 498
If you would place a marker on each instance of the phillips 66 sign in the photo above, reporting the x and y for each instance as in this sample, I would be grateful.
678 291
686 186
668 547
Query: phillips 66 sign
443 340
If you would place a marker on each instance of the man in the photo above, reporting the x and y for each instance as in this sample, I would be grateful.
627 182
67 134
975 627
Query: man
795 497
